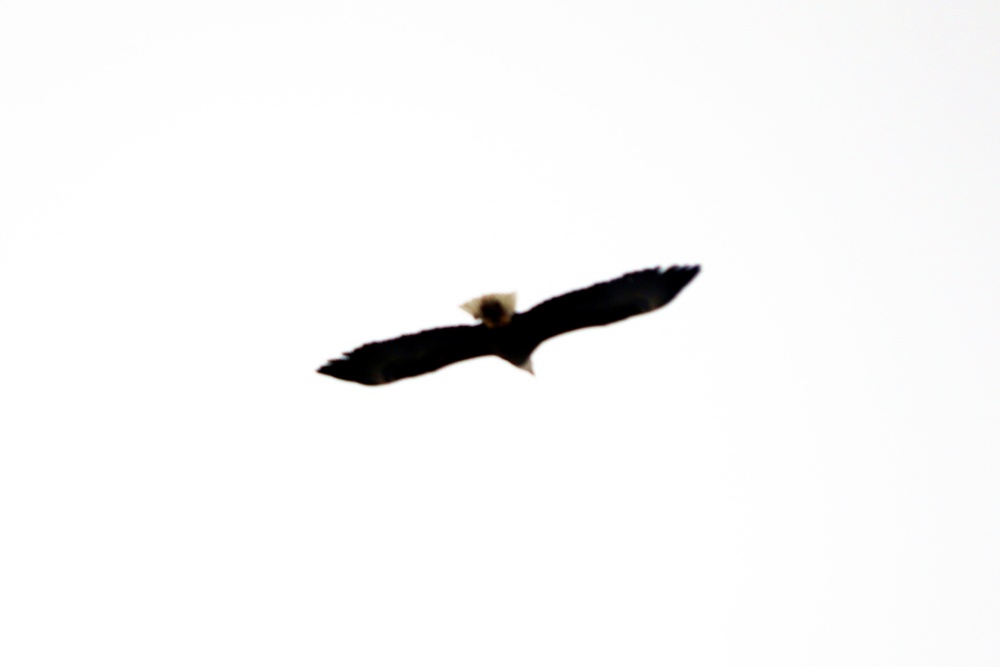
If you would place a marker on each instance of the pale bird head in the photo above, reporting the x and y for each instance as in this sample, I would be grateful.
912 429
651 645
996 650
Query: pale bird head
493 310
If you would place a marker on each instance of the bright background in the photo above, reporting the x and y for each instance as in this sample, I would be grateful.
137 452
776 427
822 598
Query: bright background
795 463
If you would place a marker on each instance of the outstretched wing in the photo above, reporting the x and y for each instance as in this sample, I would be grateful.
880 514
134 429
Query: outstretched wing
632 294
414 354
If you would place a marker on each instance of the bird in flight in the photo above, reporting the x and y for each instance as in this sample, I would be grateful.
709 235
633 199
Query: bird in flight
510 335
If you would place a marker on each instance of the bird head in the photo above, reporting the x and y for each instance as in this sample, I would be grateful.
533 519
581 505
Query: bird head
493 310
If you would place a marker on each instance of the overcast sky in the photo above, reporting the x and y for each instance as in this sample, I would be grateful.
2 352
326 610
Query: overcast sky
794 463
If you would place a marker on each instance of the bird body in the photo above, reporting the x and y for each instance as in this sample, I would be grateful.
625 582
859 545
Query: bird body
507 334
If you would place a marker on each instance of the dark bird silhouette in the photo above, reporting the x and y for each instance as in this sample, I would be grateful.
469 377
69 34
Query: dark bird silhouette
509 335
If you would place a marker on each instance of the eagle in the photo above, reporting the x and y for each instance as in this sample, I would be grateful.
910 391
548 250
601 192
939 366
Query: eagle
510 335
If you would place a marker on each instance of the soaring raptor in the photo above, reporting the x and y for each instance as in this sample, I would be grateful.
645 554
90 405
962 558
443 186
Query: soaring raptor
508 334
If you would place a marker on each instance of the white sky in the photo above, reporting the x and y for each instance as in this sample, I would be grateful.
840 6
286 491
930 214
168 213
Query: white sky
795 463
